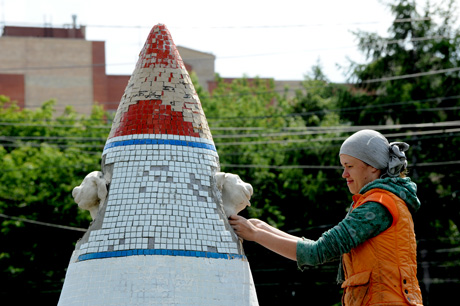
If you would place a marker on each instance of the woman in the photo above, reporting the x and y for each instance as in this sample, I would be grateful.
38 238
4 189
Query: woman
376 240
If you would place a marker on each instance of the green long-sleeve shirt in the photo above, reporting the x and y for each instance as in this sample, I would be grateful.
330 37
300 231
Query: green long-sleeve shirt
363 223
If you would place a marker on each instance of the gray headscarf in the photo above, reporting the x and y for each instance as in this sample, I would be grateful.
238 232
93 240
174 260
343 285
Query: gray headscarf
373 148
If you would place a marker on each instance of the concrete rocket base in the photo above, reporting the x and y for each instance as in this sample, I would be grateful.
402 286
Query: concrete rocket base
161 236
159 280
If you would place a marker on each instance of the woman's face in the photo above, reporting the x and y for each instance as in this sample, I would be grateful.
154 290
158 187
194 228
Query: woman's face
357 173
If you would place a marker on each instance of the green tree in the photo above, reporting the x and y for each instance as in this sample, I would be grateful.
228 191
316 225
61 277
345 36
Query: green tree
411 75
264 137
42 157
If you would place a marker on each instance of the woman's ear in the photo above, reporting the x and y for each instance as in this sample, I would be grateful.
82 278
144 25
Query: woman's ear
377 172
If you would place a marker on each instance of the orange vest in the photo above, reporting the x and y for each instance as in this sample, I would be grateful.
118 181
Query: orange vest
383 269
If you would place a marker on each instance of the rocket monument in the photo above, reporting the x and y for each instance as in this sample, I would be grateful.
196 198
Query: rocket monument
160 235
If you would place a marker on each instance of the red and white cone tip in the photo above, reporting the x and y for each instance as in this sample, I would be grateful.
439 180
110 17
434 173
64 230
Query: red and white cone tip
160 97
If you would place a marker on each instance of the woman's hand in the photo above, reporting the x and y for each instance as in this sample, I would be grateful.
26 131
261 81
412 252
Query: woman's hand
266 235
244 228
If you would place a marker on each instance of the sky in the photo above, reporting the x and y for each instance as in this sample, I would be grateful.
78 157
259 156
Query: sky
279 39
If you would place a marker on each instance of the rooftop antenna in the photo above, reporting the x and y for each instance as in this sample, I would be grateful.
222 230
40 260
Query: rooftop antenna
46 22
74 21
3 22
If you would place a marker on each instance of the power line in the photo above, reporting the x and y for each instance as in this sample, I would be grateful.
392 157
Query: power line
275 167
413 75
136 27
327 130
389 41
344 109
62 146
283 167
382 127
403 20
46 125
8 69
225 153
321 167
446 163
286 141
43 223
428 164
28 168
415 39
352 129
348 109
14 138
305 131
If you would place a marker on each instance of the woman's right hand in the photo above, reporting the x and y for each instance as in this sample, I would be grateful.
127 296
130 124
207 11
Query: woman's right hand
243 228
266 235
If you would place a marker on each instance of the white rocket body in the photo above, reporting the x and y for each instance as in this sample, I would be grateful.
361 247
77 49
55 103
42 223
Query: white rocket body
161 237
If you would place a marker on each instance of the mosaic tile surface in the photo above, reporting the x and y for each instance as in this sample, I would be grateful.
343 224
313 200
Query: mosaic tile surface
160 97
163 206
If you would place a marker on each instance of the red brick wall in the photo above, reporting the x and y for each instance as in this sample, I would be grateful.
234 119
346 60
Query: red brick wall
12 86
115 90
99 76
43 32
107 89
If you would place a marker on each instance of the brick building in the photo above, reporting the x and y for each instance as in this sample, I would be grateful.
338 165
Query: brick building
38 64
42 63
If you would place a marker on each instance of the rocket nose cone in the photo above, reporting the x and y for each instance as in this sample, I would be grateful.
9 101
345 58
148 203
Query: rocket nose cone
160 97
159 50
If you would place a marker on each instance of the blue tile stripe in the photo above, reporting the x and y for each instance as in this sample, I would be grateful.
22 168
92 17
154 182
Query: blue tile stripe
160 141
101 255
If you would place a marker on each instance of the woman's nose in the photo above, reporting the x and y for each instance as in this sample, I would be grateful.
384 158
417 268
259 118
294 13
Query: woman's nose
344 173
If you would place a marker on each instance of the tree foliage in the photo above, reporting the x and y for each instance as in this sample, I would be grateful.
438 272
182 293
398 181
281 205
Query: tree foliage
42 160
263 136
410 75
